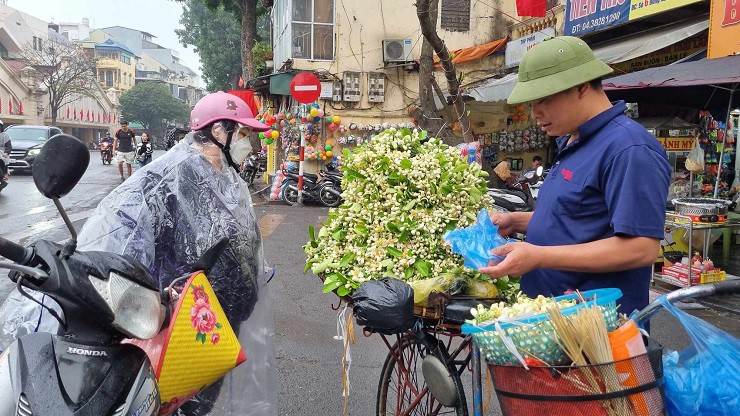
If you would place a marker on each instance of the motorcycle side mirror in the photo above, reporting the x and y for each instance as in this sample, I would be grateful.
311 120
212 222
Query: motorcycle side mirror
540 170
60 164
211 256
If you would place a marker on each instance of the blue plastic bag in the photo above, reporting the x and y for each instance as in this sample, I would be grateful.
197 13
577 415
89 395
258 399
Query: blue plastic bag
475 243
703 379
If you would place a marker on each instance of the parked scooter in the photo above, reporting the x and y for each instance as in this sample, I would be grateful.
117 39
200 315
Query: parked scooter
330 192
325 190
520 197
106 152
84 369
253 166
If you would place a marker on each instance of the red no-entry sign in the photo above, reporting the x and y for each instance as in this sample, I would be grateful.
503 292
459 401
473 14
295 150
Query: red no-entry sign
305 87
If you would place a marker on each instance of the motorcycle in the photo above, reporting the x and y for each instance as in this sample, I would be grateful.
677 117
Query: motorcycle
106 152
85 368
522 195
252 166
327 190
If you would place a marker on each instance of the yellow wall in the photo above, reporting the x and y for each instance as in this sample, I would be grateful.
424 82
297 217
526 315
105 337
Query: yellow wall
121 70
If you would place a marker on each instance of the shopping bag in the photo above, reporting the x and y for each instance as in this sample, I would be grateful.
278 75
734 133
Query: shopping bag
703 379
197 349
695 158
474 243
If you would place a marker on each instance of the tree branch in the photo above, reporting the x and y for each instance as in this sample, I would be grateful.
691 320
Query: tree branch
429 30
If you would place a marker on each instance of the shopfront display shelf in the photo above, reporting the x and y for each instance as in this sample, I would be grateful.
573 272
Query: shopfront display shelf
682 221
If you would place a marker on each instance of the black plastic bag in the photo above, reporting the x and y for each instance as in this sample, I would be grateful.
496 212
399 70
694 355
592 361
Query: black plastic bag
385 306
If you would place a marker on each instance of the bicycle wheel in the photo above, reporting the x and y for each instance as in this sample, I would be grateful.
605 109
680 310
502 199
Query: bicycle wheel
402 389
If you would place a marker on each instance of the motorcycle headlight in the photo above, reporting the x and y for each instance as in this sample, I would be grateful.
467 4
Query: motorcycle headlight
34 152
137 310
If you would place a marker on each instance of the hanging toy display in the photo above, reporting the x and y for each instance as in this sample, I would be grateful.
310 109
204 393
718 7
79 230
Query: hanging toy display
518 113
310 153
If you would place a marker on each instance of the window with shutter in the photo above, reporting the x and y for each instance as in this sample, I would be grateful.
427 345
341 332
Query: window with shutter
456 15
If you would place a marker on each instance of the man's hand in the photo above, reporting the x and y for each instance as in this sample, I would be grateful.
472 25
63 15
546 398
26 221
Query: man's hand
5 154
504 221
520 259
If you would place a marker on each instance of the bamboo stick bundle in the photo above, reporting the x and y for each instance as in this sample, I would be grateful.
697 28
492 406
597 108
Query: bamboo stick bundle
584 339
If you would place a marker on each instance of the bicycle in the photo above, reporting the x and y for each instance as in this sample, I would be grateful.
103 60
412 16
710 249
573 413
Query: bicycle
409 378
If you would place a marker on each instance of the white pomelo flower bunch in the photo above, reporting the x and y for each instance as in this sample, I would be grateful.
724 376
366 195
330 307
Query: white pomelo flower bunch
401 194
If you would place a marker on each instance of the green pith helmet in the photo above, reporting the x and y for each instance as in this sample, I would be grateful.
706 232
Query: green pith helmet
556 65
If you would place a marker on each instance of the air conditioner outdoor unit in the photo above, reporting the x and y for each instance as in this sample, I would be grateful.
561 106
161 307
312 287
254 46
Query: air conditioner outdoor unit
397 50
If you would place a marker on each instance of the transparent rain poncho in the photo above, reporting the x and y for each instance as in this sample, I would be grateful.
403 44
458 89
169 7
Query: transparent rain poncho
166 215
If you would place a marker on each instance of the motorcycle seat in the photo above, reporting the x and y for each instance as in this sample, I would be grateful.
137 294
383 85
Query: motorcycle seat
309 177
458 310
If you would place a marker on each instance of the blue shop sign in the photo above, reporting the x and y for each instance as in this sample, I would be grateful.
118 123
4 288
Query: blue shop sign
586 16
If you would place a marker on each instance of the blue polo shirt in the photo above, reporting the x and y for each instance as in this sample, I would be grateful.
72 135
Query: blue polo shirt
613 180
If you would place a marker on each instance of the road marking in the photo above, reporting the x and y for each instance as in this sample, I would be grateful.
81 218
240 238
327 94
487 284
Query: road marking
40 227
268 224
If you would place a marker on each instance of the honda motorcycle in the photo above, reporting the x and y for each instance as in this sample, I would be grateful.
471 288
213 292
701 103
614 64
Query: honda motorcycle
106 152
253 166
85 368
522 195
326 190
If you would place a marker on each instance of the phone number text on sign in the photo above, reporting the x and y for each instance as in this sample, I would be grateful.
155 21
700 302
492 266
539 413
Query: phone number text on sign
595 24
585 16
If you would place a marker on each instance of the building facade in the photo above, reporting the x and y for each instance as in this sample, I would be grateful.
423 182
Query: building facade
153 62
115 63
24 99
364 45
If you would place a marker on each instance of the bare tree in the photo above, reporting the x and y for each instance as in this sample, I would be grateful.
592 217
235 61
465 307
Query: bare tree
64 69
426 12
426 113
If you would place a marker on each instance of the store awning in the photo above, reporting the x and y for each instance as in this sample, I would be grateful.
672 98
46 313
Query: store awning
494 90
707 83
474 53
650 41
705 72
665 123
279 82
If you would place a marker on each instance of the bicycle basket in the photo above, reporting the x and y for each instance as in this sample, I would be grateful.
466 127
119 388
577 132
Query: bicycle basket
632 386
534 336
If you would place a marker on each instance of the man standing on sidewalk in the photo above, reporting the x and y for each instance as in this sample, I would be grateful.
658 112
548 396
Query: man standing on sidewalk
601 210
125 146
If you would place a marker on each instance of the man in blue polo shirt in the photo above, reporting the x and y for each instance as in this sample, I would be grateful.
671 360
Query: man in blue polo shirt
601 211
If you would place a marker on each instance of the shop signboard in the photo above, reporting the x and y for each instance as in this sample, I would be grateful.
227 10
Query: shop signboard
642 8
516 48
677 144
665 56
586 16
724 28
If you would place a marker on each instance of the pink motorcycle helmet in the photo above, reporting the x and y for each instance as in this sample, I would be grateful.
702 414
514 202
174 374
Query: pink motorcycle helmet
223 106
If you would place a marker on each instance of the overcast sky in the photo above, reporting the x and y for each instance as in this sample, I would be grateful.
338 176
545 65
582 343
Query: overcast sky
158 17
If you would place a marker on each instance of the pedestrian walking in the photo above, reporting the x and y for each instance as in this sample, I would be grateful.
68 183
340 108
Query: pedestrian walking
145 150
125 146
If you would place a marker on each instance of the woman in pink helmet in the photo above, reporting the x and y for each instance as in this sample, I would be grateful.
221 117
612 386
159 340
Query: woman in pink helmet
170 211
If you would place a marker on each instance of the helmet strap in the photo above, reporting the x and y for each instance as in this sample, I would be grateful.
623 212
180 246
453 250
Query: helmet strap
225 149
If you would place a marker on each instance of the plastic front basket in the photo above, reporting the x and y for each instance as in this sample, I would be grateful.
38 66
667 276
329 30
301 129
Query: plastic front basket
534 336
628 387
